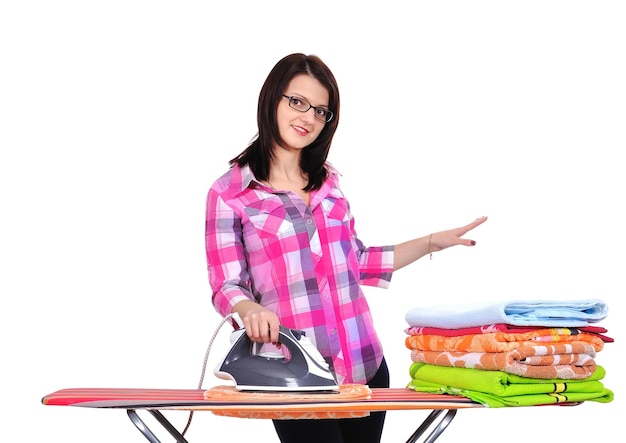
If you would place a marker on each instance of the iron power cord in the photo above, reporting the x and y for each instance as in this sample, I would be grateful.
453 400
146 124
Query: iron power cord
204 364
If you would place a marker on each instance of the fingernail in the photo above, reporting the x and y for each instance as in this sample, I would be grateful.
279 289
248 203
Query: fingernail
473 242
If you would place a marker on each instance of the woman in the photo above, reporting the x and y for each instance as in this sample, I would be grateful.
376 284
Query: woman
282 249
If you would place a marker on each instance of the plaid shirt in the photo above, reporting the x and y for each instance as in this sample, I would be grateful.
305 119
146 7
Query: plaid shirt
304 263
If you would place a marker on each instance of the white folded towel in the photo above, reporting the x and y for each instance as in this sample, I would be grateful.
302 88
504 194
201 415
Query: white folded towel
551 313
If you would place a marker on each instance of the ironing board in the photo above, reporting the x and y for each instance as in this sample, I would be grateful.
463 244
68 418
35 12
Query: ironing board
156 400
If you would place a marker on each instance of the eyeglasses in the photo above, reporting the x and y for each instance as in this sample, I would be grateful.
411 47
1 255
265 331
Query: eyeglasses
299 104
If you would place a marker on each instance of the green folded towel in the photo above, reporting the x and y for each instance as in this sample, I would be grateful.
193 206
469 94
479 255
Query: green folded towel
498 388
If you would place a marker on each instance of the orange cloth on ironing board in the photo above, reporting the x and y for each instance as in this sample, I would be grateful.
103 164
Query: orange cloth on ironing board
345 392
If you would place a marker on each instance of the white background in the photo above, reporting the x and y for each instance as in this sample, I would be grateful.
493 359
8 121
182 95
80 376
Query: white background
116 117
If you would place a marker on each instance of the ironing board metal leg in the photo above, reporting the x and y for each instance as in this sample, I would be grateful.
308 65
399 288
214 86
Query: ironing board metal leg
441 426
426 424
143 428
138 422
168 426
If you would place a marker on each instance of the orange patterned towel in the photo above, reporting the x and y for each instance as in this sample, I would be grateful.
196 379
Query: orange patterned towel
497 341
568 361
345 392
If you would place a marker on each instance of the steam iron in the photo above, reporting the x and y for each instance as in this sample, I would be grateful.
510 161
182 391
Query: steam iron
295 365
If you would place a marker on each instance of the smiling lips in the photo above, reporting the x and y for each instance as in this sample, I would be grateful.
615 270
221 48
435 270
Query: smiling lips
300 130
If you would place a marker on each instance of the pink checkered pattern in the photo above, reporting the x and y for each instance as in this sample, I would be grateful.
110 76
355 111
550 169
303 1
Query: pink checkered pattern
303 262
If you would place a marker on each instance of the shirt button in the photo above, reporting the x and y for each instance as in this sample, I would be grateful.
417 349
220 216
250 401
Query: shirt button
309 221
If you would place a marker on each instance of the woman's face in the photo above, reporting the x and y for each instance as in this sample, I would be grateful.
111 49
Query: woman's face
300 129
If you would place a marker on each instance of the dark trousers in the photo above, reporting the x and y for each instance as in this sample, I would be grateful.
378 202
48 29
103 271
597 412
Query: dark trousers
348 430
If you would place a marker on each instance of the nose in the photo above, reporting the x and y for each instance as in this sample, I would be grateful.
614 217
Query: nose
308 116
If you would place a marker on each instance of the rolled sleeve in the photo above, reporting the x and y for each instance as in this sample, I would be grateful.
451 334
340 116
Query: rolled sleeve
376 266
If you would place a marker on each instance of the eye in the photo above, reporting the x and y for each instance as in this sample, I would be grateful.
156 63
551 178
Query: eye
321 112
296 101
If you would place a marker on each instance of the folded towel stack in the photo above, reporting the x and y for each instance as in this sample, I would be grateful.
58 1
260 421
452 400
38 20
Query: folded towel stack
515 353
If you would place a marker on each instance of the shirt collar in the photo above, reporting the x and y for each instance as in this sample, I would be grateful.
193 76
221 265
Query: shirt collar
245 176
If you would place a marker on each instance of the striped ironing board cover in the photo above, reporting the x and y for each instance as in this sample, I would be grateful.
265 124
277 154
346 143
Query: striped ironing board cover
382 399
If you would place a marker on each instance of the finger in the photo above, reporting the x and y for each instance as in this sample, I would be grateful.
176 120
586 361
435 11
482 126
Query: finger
252 332
468 227
264 334
479 221
273 331
254 328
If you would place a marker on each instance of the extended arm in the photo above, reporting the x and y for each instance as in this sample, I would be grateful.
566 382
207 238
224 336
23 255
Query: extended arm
410 251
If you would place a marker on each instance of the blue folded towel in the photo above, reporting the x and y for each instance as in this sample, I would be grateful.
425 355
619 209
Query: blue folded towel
552 313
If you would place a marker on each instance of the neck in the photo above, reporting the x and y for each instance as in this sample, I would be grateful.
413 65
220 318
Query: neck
285 168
